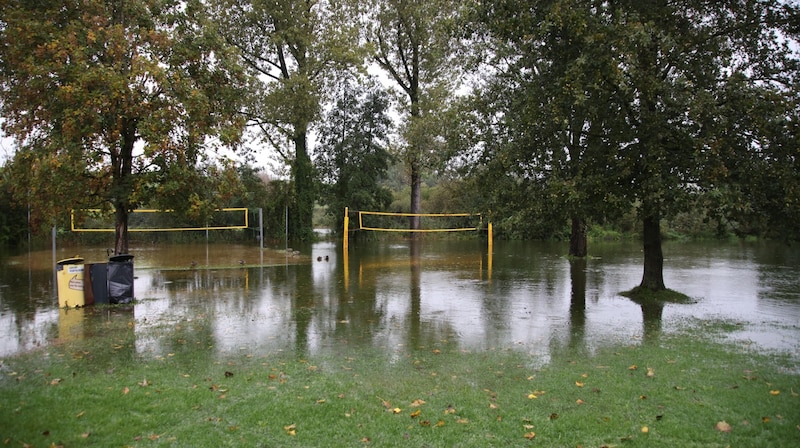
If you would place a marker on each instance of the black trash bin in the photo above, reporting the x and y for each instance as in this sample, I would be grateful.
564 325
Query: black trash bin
120 279
95 286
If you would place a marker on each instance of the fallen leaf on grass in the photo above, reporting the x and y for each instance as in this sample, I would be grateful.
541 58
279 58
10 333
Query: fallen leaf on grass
125 390
723 426
645 429
633 367
553 416
417 403
774 392
578 383
291 429
529 435
416 413
450 409
650 372
55 381
765 419
397 410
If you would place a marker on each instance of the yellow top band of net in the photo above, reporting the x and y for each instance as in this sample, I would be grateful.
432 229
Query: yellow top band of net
162 229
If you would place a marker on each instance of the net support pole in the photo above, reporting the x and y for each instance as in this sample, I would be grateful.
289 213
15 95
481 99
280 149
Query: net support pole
260 228
489 255
345 240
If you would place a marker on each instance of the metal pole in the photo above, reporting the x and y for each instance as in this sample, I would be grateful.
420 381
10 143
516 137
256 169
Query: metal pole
260 228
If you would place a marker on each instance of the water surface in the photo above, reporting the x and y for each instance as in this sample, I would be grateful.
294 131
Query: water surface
398 295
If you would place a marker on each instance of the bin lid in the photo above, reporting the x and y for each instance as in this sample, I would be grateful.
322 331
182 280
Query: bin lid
121 257
74 260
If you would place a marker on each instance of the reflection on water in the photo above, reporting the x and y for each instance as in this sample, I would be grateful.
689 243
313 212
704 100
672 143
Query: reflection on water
400 295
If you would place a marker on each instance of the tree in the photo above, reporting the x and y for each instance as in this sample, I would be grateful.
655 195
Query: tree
416 44
680 59
642 87
558 98
292 48
352 156
83 83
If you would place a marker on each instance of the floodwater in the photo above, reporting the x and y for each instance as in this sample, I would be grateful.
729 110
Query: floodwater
395 295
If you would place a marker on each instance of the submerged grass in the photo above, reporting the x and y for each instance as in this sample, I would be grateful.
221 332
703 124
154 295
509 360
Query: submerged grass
672 392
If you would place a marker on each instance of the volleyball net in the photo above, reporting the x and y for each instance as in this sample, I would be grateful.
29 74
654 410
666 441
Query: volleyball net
396 222
428 222
237 219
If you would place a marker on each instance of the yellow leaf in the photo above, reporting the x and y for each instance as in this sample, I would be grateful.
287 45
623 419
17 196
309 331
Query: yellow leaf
462 421
450 410
765 419
723 426
578 383
774 392
645 429
579 401
650 372
492 406
531 396
290 429
80 414
417 403
440 423
633 367
397 410
585 375
125 391
416 413
530 435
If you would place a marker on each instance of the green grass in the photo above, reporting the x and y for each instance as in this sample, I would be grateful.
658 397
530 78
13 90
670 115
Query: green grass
101 392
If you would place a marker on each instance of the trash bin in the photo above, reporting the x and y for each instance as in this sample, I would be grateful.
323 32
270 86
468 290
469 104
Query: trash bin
95 283
120 279
69 277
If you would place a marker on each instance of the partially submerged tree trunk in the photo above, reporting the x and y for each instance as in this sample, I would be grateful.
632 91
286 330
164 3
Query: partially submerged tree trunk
577 238
653 277
416 196
300 222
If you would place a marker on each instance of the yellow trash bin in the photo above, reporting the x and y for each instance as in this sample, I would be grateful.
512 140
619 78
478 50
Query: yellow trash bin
69 274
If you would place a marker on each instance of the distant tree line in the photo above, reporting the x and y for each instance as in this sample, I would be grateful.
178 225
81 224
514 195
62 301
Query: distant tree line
554 117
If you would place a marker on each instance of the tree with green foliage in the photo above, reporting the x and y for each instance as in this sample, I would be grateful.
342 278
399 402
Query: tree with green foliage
642 85
293 49
353 155
556 91
418 46
97 92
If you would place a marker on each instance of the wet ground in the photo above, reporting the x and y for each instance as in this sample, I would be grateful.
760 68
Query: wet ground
393 294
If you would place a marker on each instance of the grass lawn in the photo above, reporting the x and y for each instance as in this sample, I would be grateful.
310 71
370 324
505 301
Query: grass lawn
683 390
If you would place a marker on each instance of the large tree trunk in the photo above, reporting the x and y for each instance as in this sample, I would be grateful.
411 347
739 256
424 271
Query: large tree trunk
121 185
300 216
416 196
653 278
120 229
577 238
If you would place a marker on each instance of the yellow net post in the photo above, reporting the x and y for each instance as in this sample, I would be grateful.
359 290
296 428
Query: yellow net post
345 246
489 255
346 229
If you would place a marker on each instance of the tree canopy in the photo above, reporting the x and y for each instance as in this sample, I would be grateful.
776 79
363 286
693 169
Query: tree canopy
99 94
